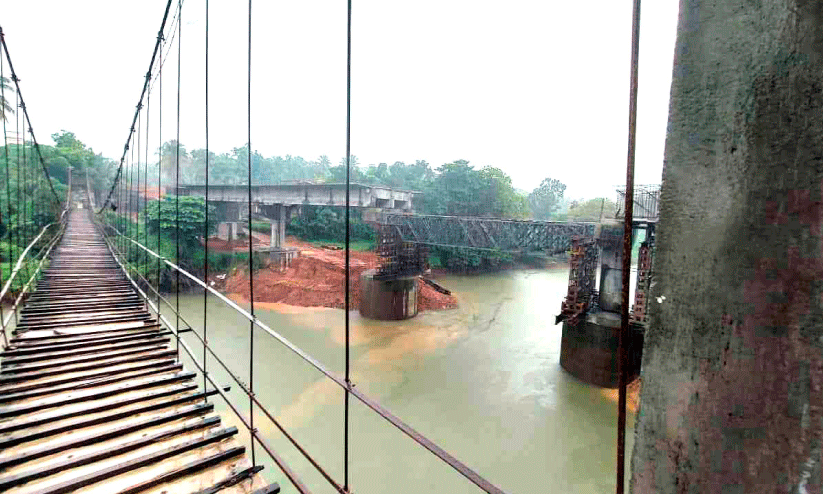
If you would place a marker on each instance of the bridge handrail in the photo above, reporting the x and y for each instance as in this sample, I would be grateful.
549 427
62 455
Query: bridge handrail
456 464
18 266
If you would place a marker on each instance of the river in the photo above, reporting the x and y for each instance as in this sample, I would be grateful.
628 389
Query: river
482 381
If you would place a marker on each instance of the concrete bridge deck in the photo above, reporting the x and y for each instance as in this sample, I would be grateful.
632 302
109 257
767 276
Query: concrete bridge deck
329 194
94 398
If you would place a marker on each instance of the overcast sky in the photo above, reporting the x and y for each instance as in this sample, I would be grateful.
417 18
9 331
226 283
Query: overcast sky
537 88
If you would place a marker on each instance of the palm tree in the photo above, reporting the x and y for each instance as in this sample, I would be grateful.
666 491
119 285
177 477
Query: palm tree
4 104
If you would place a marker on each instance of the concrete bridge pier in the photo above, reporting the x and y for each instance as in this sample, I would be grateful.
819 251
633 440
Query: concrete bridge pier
588 348
228 230
279 216
732 373
388 299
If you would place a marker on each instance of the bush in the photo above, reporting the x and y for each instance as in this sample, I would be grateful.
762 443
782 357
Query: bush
329 224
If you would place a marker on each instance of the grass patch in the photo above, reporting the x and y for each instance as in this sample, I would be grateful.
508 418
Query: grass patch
356 245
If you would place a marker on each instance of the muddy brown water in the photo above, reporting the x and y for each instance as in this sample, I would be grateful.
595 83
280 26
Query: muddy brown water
482 381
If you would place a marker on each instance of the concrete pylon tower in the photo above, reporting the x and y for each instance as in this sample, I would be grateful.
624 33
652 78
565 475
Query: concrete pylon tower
732 393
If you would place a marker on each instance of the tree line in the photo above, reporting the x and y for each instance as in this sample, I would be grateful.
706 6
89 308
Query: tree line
457 188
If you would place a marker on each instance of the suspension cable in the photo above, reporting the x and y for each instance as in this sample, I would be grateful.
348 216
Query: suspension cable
137 209
251 260
18 217
17 209
129 185
16 81
5 218
145 263
177 178
206 224
25 196
142 93
348 254
9 230
160 197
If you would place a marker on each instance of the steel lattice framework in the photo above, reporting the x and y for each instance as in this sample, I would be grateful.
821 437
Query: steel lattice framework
488 233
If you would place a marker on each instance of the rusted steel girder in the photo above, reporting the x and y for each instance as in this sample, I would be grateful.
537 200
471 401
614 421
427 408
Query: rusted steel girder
488 233
581 292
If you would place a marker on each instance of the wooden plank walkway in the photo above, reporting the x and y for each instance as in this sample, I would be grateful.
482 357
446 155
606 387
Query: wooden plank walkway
93 397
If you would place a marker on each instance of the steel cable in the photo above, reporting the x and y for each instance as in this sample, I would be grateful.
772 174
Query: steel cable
146 194
7 222
251 260
627 251
159 166
7 216
348 254
177 179
145 87
206 224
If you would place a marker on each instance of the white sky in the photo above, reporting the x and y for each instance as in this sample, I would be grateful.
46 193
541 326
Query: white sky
536 88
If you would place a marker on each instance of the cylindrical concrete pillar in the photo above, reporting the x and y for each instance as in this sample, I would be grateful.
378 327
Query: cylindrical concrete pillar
388 300
732 366
588 350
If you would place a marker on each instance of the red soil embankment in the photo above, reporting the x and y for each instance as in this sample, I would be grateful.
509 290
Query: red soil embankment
315 279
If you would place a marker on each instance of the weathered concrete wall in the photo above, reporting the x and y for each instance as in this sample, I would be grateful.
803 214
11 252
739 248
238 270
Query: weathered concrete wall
732 373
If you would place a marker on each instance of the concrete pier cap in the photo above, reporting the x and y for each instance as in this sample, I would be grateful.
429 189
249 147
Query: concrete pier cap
388 300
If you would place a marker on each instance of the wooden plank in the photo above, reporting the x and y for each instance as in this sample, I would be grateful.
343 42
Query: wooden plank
28 436
85 330
190 468
15 369
94 477
81 322
75 376
14 410
5 398
35 342
71 309
232 480
14 480
89 344
42 419
63 354
73 316
6 378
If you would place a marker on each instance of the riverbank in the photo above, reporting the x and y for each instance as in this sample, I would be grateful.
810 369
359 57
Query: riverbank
315 279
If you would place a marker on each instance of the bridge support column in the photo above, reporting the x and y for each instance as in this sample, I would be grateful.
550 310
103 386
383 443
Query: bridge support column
732 366
227 230
588 349
388 299
278 227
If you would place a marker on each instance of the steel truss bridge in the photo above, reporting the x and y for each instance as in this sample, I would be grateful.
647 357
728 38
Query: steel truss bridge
488 233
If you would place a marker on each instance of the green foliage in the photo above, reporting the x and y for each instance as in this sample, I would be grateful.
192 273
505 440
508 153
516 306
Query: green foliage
5 106
329 224
459 189
70 151
470 260
545 200
590 210
186 213
356 245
